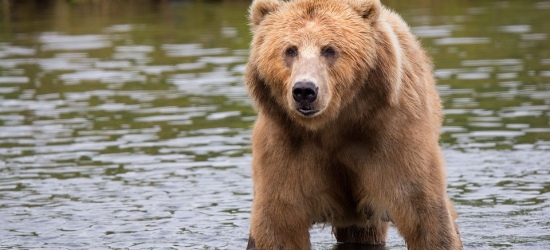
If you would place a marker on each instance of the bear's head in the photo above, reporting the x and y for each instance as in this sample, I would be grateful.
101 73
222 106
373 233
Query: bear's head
310 58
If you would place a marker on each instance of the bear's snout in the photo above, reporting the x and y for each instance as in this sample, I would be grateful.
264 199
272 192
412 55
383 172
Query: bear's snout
305 93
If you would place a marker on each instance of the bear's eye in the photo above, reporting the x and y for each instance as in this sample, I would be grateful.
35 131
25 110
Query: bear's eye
291 51
328 51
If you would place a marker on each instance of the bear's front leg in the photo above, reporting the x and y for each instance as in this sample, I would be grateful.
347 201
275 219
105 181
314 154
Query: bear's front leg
278 225
426 222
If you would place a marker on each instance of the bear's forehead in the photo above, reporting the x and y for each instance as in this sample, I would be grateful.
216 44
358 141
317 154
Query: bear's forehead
313 11
310 32
312 16
305 23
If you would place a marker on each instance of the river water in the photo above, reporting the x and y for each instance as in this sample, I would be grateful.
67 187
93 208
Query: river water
125 124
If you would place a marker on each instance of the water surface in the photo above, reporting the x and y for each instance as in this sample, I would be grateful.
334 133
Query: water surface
125 124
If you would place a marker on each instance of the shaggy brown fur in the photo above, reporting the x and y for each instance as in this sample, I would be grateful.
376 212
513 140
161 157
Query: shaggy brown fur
347 130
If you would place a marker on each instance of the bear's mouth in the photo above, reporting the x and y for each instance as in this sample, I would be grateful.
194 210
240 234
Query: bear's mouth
306 110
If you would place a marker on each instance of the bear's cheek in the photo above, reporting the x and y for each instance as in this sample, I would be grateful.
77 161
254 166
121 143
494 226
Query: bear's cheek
275 74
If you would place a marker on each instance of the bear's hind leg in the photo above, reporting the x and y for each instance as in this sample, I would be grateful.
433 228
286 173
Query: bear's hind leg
370 235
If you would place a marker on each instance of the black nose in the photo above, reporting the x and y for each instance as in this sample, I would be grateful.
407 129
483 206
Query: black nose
304 91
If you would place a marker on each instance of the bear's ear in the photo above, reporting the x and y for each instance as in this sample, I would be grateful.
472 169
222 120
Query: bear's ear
261 8
367 9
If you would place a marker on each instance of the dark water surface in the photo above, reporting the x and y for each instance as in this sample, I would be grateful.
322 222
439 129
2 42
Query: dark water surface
125 124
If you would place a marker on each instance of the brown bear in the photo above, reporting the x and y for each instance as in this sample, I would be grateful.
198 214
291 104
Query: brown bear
347 129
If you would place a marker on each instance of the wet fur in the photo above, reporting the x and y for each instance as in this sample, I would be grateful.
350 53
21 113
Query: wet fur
371 156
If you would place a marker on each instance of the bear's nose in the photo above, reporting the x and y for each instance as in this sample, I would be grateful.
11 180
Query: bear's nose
304 91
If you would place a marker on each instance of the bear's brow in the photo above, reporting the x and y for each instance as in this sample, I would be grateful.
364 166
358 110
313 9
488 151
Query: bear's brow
311 12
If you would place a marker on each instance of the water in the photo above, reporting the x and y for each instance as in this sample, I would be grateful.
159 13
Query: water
125 124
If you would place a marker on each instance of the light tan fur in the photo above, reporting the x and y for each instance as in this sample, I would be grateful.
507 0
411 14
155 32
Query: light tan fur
369 154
